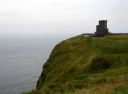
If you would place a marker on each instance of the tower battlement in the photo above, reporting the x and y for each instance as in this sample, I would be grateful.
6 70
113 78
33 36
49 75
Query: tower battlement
103 20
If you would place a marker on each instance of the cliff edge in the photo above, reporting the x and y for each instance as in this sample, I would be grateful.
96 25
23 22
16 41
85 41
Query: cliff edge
84 65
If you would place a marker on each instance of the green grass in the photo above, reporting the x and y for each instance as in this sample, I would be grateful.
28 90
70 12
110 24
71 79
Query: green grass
119 90
86 64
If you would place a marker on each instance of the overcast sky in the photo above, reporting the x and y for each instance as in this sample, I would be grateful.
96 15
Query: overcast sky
61 16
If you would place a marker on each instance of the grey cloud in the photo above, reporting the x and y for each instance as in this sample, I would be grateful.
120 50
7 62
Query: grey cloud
9 13
74 7
57 3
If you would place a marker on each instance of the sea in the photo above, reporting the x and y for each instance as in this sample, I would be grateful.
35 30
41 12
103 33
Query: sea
22 58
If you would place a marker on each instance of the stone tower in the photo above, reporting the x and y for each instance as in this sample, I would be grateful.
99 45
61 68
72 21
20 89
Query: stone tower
102 29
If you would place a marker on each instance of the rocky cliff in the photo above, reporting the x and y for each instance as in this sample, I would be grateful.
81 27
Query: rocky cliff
84 65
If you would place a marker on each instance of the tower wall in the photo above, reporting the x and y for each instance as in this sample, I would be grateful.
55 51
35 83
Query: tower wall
102 29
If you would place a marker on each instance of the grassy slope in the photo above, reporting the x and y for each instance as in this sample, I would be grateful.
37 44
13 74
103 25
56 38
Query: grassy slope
84 65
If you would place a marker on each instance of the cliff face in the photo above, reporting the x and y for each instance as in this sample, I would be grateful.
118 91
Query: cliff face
85 64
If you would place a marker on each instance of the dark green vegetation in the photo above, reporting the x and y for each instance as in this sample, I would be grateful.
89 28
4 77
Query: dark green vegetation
86 65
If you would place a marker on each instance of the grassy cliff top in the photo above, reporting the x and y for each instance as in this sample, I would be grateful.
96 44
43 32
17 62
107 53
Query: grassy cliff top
84 65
